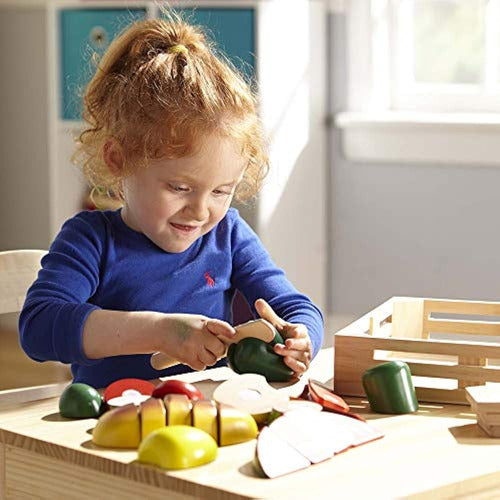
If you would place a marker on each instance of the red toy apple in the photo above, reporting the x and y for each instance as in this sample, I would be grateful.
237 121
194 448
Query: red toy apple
173 386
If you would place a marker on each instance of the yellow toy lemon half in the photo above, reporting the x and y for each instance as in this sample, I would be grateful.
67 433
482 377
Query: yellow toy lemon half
178 447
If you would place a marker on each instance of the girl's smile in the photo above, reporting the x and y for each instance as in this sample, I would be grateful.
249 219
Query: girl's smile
183 228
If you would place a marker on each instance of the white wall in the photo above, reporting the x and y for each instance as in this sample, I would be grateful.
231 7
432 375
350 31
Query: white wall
404 229
24 173
292 206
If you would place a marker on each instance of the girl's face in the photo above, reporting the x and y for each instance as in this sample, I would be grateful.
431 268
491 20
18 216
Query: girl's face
175 202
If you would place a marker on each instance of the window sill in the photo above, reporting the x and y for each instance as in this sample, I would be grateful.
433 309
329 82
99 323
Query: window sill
434 138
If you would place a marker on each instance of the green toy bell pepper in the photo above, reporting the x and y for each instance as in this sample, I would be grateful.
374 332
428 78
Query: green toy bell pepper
390 389
252 355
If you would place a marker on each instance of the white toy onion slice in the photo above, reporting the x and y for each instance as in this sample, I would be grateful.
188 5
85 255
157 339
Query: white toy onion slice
276 457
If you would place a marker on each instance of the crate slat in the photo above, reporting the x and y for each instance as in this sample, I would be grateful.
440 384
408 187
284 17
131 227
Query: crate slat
469 307
479 373
446 347
458 326
454 396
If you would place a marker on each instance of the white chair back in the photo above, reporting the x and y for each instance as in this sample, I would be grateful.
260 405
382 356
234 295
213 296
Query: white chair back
18 270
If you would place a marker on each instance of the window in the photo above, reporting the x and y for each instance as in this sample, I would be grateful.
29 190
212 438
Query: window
447 55
432 66
433 55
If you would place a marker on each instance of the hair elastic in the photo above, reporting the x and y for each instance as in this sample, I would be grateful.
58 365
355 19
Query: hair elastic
176 49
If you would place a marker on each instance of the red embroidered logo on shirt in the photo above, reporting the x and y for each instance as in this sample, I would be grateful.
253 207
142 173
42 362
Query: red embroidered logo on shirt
210 280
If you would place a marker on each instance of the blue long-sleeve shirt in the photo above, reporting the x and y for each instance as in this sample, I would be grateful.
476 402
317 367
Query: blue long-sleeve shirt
97 261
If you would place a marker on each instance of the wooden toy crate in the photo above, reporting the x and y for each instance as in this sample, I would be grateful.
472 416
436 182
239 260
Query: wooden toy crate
448 345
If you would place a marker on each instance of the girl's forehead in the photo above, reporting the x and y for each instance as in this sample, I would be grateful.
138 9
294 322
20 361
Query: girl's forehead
214 156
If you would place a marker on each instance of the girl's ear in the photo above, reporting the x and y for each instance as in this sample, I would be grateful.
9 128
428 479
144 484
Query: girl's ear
113 156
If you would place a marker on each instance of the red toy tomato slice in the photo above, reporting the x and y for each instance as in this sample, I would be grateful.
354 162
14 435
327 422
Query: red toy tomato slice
327 398
177 387
117 388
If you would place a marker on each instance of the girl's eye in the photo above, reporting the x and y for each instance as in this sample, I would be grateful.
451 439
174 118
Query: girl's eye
218 192
178 189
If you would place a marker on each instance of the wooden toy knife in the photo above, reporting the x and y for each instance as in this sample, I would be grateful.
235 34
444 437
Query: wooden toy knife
259 329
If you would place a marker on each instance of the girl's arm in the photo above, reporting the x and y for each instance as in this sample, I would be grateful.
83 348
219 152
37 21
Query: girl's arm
58 322
257 277
188 338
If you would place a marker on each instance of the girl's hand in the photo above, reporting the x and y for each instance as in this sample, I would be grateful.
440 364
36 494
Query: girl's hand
297 351
194 339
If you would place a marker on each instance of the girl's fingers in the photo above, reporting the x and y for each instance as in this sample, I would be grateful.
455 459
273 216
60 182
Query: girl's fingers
294 364
214 344
266 312
207 358
219 327
300 344
296 330
301 355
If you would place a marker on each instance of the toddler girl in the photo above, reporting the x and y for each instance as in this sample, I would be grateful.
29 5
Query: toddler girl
172 129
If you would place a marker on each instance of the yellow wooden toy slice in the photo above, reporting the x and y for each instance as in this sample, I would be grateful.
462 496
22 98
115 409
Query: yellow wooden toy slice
235 426
153 416
205 417
118 428
178 409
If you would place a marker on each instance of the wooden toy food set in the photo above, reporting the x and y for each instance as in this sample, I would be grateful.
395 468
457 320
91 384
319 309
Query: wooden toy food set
173 427
448 345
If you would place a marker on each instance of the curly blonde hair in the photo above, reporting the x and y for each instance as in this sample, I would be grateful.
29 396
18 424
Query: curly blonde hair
157 88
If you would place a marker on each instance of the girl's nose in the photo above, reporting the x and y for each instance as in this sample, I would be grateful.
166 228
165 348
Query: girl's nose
198 208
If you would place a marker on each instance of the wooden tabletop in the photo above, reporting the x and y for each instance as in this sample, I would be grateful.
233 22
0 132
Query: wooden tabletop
437 452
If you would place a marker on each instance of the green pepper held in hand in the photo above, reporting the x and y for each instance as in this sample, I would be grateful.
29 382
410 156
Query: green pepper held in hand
252 355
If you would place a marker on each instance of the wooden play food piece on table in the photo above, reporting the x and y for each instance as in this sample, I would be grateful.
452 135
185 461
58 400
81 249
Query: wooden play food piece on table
309 432
304 436
299 404
485 402
126 391
251 393
235 426
173 386
152 416
326 397
80 401
259 328
389 388
204 415
178 408
118 428
178 447
275 457
129 396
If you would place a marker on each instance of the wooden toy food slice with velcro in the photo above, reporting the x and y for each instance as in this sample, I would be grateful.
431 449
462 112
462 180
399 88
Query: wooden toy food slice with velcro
259 329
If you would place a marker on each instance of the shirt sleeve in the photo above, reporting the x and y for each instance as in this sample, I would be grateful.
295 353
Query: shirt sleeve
56 308
256 276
